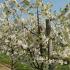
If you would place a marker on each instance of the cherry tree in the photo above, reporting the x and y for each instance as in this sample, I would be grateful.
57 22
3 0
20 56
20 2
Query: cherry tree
41 39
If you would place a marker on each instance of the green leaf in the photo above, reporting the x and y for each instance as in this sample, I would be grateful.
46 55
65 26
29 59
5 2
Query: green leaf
26 2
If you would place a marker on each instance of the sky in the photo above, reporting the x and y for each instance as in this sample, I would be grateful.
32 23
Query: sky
57 4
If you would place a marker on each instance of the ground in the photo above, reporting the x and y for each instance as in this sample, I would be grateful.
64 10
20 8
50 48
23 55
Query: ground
3 67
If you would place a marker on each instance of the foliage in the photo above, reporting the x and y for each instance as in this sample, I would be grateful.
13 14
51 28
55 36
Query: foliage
39 40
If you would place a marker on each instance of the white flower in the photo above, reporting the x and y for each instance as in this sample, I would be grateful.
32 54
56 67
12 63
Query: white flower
13 36
1 5
67 29
25 46
40 58
66 52
45 6
45 40
50 61
54 52
65 55
69 36
65 62
6 40
0 36
20 42
23 20
61 62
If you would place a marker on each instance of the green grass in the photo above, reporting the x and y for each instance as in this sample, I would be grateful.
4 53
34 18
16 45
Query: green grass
62 67
4 59
19 66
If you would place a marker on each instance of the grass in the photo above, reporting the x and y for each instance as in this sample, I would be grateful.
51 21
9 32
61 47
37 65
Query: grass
4 59
19 66
63 67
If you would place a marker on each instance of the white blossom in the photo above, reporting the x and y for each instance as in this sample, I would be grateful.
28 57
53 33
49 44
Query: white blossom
13 36
65 62
1 5
50 61
39 58
0 36
6 40
61 62
25 46
54 52
19 42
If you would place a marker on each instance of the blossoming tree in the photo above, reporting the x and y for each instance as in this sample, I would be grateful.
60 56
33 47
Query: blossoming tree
41 39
